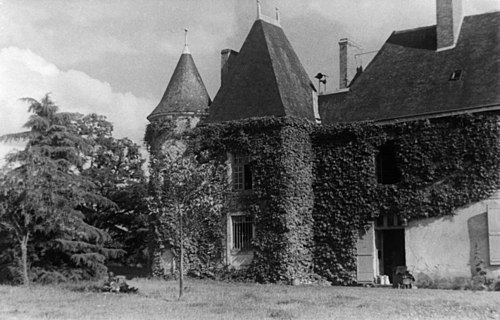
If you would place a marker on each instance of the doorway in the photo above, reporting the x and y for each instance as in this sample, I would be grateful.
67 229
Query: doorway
391 251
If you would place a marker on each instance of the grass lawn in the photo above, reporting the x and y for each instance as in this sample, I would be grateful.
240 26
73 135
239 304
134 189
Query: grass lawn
217 300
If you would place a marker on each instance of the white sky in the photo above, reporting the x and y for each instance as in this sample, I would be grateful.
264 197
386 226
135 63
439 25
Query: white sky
115 57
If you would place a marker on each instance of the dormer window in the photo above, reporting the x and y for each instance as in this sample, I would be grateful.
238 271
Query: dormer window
386 167
455 75
241 173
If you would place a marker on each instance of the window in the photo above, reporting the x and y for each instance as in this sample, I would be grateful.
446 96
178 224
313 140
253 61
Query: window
386 167
455 75
242 174
242 232
390 221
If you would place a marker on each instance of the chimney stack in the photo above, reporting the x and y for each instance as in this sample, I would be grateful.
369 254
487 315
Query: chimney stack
226 59
448 22
347 62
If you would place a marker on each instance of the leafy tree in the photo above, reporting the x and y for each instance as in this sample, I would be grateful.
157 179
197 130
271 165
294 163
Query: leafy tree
41 199
116 167
187 198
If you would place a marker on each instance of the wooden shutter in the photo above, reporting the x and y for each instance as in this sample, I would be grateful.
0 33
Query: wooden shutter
494 233
366 271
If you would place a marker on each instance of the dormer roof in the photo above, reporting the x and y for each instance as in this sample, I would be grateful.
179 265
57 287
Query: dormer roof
185 92
266 79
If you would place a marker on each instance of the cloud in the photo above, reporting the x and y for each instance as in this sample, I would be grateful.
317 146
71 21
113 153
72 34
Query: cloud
25 74
53 30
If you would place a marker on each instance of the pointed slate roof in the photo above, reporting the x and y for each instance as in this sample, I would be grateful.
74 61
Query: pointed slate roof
185 92
266 79
409 78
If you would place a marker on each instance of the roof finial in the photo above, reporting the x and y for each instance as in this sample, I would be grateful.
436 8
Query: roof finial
277 15
259 10
186 48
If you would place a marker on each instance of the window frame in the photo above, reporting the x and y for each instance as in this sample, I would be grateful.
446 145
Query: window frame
241 174
239 242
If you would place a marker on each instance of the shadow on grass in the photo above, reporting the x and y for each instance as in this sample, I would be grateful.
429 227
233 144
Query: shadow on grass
280 314
250 296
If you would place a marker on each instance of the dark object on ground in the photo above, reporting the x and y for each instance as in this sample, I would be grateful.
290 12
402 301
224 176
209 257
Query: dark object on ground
117 284
403 278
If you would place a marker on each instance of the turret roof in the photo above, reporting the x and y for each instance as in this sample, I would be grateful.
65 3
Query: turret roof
185 92
266 79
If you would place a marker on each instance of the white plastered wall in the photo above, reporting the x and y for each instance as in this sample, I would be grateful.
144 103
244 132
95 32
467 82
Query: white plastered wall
448 247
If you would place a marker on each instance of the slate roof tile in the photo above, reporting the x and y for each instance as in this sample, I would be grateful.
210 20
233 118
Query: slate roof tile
265 79
408 77
185 92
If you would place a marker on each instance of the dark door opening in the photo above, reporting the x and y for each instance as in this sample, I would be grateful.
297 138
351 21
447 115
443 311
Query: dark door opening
391 246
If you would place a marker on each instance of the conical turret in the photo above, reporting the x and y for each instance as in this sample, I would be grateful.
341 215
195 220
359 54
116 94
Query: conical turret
185 94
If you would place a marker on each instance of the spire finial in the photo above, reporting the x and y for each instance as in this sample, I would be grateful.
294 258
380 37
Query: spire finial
277 15
186 48
259 10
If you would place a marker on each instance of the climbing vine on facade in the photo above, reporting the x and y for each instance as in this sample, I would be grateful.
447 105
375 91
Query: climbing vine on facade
315 187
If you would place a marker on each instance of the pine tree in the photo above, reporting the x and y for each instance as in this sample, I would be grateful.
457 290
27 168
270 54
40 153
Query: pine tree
41 199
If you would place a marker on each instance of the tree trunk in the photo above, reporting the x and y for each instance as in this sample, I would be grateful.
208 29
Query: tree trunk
181 254
24 259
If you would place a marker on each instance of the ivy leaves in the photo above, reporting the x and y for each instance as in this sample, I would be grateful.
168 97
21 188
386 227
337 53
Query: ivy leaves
315 186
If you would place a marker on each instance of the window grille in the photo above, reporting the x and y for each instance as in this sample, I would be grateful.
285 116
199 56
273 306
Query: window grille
242 232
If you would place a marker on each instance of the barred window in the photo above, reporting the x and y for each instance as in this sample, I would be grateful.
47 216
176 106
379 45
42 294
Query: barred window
242 232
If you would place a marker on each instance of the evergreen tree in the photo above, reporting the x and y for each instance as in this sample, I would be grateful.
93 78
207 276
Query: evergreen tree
42 197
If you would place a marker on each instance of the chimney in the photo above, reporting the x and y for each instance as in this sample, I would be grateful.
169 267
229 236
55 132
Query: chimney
448 22
226 60
347 62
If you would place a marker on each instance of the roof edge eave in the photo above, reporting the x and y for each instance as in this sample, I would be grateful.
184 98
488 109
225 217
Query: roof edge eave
153 117
440 114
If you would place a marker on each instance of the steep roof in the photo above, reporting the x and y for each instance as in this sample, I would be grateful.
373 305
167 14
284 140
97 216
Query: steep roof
185 91
266 79
409 78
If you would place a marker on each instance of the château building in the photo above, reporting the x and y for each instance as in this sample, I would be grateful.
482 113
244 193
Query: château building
358 175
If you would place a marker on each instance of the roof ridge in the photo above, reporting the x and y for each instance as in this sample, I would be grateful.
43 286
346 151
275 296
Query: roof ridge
276 82
434 25
414 29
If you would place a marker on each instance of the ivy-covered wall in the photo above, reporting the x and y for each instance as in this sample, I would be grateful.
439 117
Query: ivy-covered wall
345 190
284 201
203 231
444 163
315 186
281 200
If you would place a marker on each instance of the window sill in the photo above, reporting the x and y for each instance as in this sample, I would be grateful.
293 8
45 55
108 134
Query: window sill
241 252
242 192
